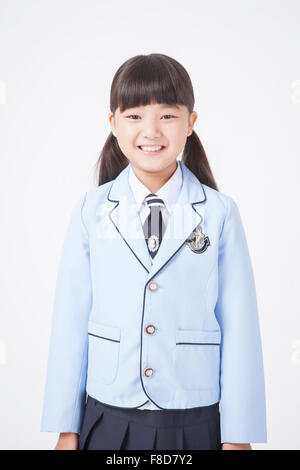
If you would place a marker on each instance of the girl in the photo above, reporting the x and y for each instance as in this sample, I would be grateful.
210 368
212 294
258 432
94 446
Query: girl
155 340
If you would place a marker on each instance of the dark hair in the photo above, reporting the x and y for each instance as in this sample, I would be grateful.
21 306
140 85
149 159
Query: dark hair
142 80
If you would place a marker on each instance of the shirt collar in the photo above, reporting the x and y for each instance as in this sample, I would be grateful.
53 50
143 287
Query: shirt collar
169 192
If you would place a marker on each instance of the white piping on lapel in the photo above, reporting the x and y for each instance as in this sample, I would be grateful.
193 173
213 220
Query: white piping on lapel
185 215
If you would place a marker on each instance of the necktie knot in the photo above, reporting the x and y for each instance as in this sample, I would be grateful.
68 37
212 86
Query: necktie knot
154 201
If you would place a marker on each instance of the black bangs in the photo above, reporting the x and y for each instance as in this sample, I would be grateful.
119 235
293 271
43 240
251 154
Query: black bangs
154 78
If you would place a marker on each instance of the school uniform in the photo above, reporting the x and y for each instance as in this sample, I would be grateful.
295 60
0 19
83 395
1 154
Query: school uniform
108 427
180 330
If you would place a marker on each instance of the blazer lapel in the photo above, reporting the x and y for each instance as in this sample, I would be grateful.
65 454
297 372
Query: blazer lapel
183 219
185 215
125 217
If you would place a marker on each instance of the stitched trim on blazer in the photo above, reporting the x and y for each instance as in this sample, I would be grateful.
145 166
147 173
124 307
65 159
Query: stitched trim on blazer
217 344
104 337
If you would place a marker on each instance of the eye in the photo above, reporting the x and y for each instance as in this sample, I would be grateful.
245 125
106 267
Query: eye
135 115
132 115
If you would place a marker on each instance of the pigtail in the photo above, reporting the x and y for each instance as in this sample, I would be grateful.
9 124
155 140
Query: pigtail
194 157
111 161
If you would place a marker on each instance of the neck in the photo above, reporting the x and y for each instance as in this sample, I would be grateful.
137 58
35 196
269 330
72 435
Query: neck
155 181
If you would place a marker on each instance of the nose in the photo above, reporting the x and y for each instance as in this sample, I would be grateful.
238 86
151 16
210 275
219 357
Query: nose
151 130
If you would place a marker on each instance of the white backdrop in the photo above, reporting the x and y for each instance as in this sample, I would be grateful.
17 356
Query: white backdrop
57 61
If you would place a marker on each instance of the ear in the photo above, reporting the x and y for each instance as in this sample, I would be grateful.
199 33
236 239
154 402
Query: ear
111 119
192 119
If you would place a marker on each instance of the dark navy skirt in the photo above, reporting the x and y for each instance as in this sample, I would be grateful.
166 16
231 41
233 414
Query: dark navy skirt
106 427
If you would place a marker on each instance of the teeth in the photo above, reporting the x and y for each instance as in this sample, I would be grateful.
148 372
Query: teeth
152 148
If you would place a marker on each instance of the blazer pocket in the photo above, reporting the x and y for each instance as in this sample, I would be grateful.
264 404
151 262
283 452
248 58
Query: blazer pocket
197 359
103 351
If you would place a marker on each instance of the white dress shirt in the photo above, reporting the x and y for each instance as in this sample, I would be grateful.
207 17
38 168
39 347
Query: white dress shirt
169 193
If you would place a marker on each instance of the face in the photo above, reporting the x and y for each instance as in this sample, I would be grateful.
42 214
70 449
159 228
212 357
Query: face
152 125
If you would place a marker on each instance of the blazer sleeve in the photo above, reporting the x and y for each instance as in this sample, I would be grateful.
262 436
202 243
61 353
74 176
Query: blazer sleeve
64 395
242 404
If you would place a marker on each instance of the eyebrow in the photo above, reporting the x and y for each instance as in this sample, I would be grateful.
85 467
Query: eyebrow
162 105
165 105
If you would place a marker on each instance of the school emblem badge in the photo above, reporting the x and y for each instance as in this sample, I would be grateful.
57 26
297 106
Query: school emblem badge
197 241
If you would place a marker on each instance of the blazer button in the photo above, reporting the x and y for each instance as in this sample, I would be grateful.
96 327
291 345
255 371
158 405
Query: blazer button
148 372
150 329
153 286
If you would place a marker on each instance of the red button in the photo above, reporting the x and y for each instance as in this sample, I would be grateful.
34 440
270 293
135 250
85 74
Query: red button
148 372
153 286
150 329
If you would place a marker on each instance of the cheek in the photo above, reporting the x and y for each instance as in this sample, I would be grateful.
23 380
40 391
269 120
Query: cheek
127 139
177 132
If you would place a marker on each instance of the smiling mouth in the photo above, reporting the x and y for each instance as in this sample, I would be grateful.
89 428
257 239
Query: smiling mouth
147 150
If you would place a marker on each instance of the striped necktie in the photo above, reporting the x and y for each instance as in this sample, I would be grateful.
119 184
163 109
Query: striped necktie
153 226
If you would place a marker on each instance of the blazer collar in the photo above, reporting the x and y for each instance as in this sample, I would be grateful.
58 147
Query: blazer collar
185 215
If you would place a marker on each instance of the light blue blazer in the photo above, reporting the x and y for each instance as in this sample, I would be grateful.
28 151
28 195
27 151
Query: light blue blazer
204 344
